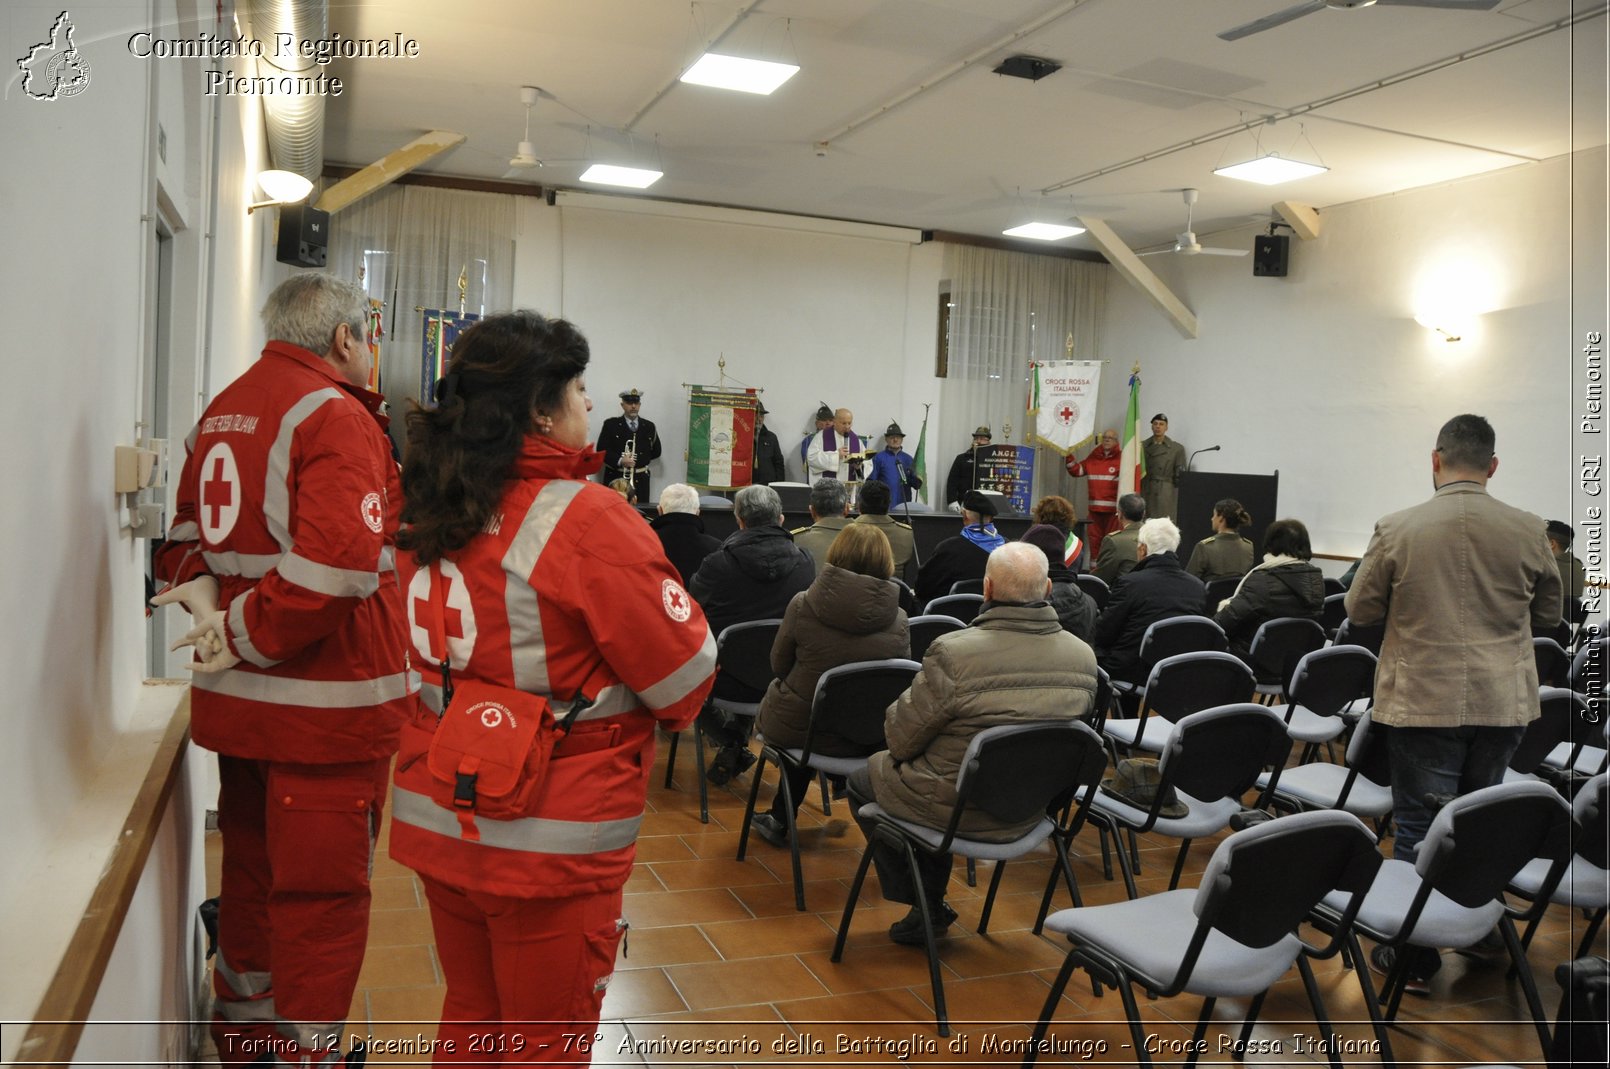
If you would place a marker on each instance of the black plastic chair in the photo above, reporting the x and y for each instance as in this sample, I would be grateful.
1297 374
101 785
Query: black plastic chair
1276 648
1178 686
1234 936
1329 689
962 606
1333 613
1333 586
850 702
1217 591
1553 663
1367 635
1361 786
1451 894
743 657
1552 732
1585 881
1209 761
967 586
1013 772
1173 636
924 629
1096 587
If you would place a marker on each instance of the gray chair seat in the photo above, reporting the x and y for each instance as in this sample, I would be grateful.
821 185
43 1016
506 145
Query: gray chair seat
1584 885
1588 762
1151 935
973 848
1318 785
1307 726
833 766
1204 818
1443 922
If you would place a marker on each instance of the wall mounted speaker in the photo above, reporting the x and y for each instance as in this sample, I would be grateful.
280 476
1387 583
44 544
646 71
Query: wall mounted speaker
1270 255
304 236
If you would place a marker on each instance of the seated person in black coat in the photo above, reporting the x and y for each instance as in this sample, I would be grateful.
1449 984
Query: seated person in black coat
1158 588
1285 584
961 556
681 531
753 576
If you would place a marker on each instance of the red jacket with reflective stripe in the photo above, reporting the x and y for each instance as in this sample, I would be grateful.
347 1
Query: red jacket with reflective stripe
566 591
1101 467
290 497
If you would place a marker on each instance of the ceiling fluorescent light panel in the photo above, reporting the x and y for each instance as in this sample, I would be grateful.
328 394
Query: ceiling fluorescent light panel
609 174
742 75
1270 170
1043 231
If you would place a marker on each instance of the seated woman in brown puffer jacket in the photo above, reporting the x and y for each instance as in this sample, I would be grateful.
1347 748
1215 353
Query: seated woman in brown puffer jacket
851 612
1285 584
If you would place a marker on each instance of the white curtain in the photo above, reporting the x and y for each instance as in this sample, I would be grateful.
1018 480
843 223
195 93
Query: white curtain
1007 309
411 243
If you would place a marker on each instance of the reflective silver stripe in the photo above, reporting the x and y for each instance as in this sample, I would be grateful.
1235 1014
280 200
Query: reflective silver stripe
256 1010
243 984
431 695
313 1035
529 652
317 693
242 637
693 671
276 489
323 579
388 560
535 835
1102 478
190 439
188 531
246 565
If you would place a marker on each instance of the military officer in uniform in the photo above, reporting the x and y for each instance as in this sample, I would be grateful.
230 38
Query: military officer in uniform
874 505
628 442
1165 463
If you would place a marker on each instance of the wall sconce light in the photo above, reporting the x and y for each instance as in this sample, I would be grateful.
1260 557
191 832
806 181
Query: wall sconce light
282 187
1450 330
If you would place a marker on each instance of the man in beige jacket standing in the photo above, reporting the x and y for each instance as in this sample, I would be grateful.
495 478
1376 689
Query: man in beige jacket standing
1460 582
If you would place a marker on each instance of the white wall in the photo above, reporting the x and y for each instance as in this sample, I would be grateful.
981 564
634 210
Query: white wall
87 194
1325 376
808 317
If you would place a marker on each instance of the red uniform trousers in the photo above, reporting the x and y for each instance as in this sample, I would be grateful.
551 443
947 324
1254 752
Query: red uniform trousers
293 914
525 976
1098 527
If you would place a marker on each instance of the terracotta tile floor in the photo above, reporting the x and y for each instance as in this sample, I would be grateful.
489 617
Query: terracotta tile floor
718 957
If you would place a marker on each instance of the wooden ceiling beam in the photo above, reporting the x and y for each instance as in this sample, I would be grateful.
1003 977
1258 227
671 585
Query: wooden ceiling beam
1137 274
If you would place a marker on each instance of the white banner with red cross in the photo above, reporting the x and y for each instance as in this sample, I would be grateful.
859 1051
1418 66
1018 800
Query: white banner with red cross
1062 403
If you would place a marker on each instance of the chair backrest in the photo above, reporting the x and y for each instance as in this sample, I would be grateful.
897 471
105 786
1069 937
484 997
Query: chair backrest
1095 586
967 586
1280 643
1261 883
1327 680
962 606
795 497
1590 811
851 700
714 502
1217 591
1366 750
1190 682
1015 771
1553 663
1181 634
1333 612
1559 708
1218 753
1478 842
1102 705
1367 635
1333 586
743 653
924 629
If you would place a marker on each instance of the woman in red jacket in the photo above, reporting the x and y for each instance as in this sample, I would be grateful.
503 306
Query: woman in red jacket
522 573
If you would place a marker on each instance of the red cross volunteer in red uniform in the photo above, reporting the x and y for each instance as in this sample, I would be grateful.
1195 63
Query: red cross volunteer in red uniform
1100 467
528 576
281 547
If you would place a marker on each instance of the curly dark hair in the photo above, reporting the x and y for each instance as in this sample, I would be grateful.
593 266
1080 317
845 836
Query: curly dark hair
1056 511
504 369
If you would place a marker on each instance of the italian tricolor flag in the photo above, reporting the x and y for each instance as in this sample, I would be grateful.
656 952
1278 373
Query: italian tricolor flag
721 438
1132 459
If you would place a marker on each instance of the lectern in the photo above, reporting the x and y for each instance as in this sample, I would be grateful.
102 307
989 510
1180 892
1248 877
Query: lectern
1199 490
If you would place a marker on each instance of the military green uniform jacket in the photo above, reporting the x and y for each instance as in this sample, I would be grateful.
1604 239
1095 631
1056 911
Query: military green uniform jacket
901 540
1571 573
1165 463
1224 556
1117 554
816 538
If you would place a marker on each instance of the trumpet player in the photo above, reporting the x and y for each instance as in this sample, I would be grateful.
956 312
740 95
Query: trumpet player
628 443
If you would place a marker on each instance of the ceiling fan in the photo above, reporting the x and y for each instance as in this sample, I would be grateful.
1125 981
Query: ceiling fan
1185 243
525 153
1308 7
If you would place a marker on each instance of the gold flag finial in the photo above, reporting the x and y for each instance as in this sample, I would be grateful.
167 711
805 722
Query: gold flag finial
1070 345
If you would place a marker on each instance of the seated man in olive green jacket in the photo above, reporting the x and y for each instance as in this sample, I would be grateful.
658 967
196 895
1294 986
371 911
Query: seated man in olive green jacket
1013 665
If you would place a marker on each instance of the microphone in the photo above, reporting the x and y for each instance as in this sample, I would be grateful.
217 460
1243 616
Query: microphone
1193 456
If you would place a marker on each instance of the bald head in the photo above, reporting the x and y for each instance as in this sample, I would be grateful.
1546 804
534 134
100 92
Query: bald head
842 420
1017 574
